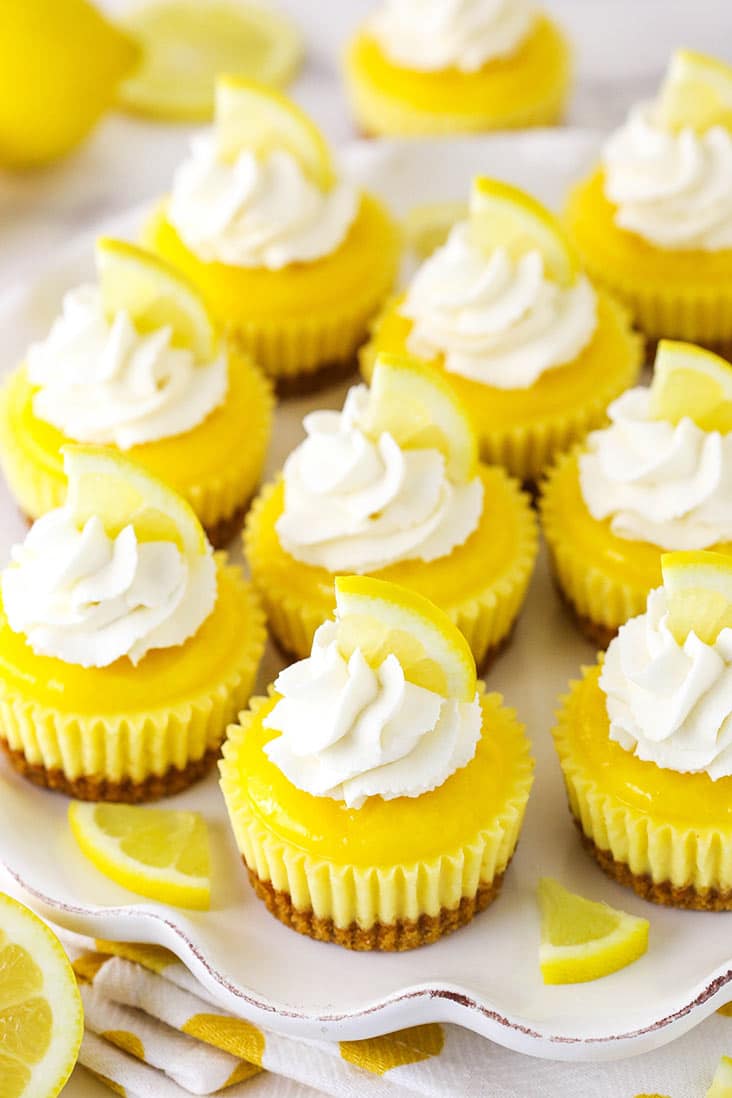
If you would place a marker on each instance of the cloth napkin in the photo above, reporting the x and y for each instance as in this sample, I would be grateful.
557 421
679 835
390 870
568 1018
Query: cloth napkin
152 1031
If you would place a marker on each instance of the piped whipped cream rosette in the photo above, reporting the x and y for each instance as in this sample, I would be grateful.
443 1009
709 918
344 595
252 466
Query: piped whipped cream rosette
659 477
126 644
504 310
645 741
377 794
292 258
391 485
654 221
134 362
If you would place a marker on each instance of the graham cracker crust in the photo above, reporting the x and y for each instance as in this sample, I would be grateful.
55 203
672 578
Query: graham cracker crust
387 937
665 893
88 788
299 385
594 631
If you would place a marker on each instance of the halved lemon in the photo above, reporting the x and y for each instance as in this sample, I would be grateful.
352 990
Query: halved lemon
383 618
186 44
154 295
698 587
690 381
41 1016
253 116
503 216
427 226
583 940
722 1082
697 92
156 852
120 493
419 408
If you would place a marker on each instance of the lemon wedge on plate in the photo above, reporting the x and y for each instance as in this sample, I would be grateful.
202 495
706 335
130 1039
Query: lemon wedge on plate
186 44
382 618
154 295
722 1082
253 116
503 216
419 408
698 588
690 381
581 939
156 852
41 1016
427 226
697 92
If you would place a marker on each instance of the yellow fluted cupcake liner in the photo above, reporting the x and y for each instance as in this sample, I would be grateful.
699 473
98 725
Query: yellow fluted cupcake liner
604 578
304 317
118 728
524 429
666 835
340 895
207 465
480 584
528 88
673 294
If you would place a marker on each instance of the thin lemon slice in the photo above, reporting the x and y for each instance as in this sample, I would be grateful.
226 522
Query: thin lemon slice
722 1082
252 116
428 225
156 852
697 92
583 940
419 408
689 381
383 618
41 1017
186 44
120 493
502 216
698 587
154 295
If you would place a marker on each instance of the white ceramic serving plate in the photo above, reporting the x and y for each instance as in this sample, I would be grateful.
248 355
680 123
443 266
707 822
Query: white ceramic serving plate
485 977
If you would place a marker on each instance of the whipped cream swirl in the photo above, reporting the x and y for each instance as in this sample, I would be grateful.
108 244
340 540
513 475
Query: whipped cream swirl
431 35
667 484
89 599
496 320
99 380
668 703
357 504
350 731
672 189
257 213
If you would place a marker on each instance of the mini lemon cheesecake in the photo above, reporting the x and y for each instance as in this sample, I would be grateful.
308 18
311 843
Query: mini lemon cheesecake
135 363
653 222
505 313
391 486
645 741
377 794
292 259
658 478
126 644
451 66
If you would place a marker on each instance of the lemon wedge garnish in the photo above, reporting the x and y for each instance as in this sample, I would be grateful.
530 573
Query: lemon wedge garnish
419 408
186 44
156 852
689 381
383 618
120 493
154 295
698 587
697 92
722 1082
60 63
583 940
503 216
41 1016
427 226
255 117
